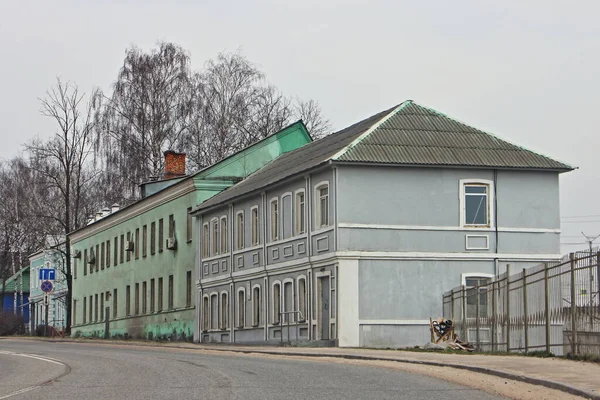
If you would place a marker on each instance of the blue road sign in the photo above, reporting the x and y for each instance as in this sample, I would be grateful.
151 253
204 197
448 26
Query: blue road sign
47 274
46 286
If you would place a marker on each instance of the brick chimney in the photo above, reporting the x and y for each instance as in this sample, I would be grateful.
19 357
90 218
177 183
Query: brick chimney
174 164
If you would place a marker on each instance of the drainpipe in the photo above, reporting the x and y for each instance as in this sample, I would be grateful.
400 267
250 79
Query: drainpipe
232 298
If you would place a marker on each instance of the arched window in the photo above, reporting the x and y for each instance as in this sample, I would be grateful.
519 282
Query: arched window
302 307
256 306
224 311
276 302
241 308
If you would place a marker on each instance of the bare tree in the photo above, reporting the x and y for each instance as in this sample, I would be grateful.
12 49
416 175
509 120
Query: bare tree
310 113
63 164
146 114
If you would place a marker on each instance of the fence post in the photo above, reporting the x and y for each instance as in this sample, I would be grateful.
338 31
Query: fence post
573 307
463 306
494 311
598 276
525 313
452 305
477 346
547 306
507 308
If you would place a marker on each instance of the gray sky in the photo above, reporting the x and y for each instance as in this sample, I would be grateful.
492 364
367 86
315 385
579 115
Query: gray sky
524 70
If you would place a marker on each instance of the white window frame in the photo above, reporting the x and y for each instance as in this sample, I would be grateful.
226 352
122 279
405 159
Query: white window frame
205 313
254 226
215 237
284 305
239 306
318 211
282 215
490 202
274 236
273 302
223 237
304 316
210 305
479 275
223 311
240 230
297 214
206 240
260 310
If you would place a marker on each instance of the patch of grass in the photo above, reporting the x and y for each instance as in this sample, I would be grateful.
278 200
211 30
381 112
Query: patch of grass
584 357
535 353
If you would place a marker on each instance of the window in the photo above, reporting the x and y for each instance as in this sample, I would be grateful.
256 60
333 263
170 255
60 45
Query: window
274 207
476 207
85 262
288 300
144 240
171 226
97 257
276 302
136 247
152 296
122 252
84 310
205 240
286 216
74 322
215 237
96 307
101 306
224 246
322 205
137 299
128 300
171 306
74 270
239 230
189 228
108 253
471 283
91 260
115 304
300 225
205 313
254 226
116 258
144 297
91 309
214 311
302 299
153 238
188 289
256 306
128 250
224 320
161 237
102 252
241 308
159 307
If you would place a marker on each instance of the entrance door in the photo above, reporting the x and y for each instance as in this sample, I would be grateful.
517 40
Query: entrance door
324 309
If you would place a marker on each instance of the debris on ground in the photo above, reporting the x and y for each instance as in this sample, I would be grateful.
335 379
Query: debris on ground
443 336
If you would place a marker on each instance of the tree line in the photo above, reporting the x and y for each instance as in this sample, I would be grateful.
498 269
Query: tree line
105 144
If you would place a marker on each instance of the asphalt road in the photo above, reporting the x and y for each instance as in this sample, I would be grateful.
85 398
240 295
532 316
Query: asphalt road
43 370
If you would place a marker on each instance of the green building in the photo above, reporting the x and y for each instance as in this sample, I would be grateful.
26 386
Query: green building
133 268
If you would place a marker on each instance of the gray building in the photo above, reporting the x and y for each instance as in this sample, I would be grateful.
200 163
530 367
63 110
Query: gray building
353 238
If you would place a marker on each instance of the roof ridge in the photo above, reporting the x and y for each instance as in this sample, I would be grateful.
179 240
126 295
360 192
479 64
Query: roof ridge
433 110
370 130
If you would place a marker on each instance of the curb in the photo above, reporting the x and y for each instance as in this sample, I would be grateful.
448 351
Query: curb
489 371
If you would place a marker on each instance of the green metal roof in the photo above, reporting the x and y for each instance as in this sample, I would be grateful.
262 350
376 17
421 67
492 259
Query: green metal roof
12 281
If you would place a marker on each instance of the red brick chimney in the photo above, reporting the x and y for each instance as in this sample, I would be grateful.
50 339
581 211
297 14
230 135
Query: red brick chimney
174 164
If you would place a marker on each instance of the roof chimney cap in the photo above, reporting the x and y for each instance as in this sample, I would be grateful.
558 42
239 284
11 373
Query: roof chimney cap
174 164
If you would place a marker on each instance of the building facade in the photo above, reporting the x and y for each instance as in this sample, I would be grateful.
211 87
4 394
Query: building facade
53 258
353 238
133 268
15 294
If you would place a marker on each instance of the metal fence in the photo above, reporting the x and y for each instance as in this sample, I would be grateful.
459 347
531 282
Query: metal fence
551 307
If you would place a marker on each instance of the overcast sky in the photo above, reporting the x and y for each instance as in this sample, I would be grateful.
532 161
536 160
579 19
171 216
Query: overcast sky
524 70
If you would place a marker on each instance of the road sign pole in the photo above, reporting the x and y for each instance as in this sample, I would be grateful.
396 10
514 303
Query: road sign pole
46 319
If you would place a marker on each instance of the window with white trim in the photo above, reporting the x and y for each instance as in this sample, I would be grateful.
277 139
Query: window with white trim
215 237
476 205
274 227
322 205
254 226
241 308
223 233
300 224
205 240
239 230
224 307
205 313
276 302
302 299
256 306
477 291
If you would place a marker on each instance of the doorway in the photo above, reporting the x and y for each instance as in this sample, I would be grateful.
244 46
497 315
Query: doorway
324 307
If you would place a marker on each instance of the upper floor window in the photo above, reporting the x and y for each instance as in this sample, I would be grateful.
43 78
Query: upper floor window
274 219
322 205
476 206
300 223
254 225
205 240
215 236
223 232
477 292
240 230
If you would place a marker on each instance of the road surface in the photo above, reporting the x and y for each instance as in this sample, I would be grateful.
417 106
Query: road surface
45 370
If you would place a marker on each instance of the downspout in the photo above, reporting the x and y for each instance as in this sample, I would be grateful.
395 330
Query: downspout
232 297
263 218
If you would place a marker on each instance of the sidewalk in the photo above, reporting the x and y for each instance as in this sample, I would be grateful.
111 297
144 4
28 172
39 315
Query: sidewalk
575 377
